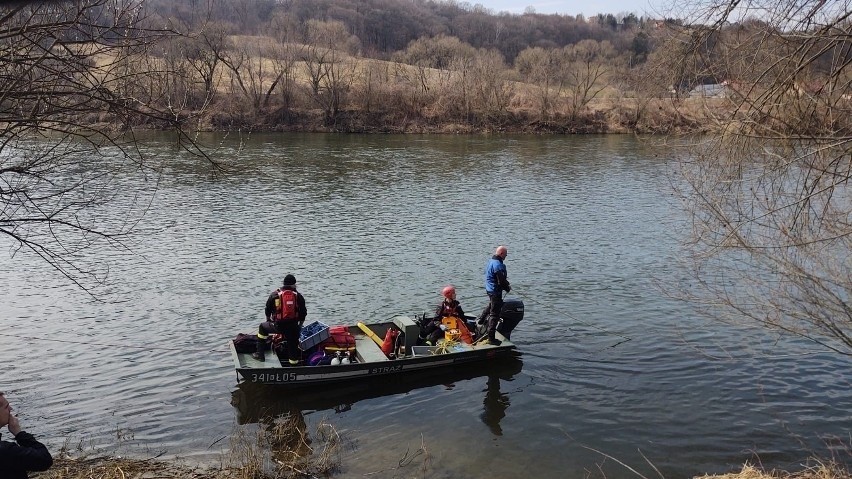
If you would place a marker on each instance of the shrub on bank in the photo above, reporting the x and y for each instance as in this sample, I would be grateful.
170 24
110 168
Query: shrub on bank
122 468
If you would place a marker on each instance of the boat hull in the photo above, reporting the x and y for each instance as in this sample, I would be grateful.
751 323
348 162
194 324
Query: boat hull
257 402
372 358
269 372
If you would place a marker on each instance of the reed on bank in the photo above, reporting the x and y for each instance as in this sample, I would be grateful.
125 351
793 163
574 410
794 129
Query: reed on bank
124 468
282 448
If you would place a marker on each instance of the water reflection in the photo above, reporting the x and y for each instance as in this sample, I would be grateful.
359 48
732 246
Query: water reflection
257 403
495 405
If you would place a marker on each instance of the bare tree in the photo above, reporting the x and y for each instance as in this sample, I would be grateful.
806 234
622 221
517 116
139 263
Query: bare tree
69 101
375 84
435 52
283 28
588 65
461 93
204 51
770 191
544 68
409 90
253 76
441 74
492 88
326 56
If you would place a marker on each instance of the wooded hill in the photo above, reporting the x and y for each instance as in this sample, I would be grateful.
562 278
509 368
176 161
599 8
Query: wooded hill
407 66
339 65
384 27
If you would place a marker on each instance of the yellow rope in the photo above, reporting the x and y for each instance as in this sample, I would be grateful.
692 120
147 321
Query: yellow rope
445 346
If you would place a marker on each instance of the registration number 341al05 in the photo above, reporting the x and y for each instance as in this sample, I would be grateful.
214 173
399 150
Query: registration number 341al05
273 377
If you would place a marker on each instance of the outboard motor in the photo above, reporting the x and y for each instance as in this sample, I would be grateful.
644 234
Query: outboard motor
510 316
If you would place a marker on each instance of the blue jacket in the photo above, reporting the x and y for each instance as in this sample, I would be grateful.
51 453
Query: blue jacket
495 276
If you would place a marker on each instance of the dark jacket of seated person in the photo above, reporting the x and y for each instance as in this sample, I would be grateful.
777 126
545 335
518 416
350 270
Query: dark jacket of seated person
25 453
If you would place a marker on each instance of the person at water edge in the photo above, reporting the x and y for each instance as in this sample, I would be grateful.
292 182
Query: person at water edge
448 307
25 454
285 313
496 281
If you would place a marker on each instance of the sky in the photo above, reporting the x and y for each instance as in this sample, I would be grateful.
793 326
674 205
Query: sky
653 8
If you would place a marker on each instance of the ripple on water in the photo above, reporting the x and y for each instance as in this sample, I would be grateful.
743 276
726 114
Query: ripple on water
375 226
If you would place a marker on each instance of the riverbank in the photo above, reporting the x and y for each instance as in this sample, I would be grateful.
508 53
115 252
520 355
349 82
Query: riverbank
122 468
654 116
285 450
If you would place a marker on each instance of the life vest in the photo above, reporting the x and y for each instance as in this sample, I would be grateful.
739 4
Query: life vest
456 329
286 306
340 339
449 309
388 344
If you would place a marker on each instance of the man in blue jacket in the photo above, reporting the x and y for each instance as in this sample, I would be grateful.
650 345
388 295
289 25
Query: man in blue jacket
25 454
495 283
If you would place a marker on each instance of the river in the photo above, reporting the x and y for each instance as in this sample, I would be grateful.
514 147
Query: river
374 226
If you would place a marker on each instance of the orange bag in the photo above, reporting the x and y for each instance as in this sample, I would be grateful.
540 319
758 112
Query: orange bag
456 329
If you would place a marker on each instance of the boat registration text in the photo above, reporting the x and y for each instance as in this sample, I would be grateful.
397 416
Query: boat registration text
273 377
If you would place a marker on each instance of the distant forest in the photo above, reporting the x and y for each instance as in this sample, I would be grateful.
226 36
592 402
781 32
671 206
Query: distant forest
396 66
410 65
384 27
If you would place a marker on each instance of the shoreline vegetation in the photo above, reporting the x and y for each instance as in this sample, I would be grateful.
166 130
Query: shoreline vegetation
283 448
604 117
378 97
127 468
317 76
393 97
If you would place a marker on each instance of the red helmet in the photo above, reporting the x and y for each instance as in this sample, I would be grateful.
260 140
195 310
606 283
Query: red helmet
449 291
501 251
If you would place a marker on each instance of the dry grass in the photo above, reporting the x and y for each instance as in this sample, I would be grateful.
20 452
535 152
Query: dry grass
324 466
288 454
121 468
282 448
278 449
819 471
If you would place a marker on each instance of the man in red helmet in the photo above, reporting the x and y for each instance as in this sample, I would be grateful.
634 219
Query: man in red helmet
448 307
495 283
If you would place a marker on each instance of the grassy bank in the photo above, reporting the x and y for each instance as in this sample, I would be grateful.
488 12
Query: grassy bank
282 448
658 116
122 468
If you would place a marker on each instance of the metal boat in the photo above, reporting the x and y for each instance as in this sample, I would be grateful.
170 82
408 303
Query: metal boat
368 359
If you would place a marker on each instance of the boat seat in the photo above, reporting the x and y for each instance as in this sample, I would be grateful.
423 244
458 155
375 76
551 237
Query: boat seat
367 350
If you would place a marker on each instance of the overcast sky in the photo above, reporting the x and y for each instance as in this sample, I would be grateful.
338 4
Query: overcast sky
573 7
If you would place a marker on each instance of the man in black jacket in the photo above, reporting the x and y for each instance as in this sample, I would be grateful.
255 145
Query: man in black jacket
25 454
285 313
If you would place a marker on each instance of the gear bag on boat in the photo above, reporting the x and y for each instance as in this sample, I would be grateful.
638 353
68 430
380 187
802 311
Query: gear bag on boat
340 339
245 343
456 330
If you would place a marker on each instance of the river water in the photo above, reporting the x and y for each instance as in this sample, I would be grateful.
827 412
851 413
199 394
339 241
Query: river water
374 226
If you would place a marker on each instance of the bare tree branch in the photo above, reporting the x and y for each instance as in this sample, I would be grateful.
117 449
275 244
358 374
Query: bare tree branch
71 96
769 191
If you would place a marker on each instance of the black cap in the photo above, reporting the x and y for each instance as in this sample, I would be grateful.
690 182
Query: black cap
289 280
